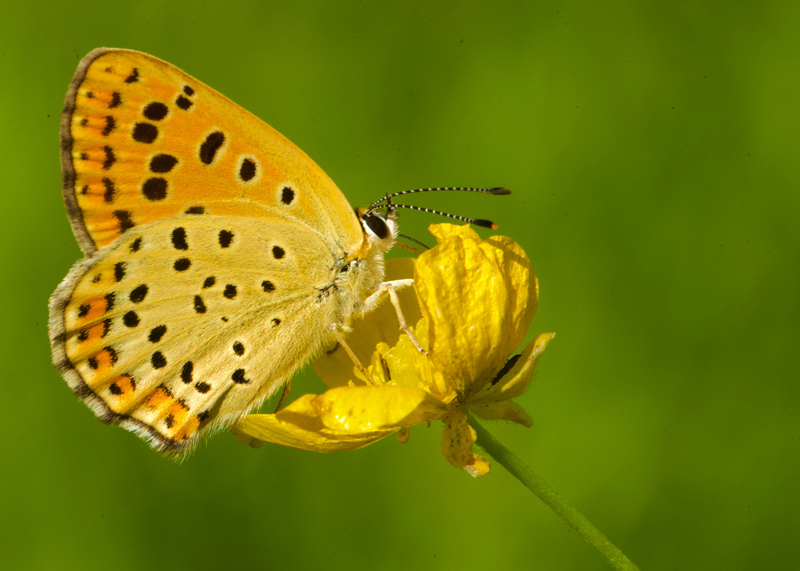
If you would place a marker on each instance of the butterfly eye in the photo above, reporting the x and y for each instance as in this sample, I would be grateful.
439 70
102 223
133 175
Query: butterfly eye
345 268
377 225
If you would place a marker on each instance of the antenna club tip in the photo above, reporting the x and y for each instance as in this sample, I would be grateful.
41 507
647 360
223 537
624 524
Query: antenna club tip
484 223
500 190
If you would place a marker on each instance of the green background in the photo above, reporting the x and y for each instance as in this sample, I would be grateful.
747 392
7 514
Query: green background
653 152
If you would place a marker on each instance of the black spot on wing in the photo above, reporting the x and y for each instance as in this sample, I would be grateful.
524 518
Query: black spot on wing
125 221
187 371
239 378
111 124
287 195
155 188
199 305
278 252
130 319
139 293
248 170
119 271
183 102
116 100
182 264
112 354
179 239
145 133
209 282
158 360
133 77
225 238
155 111
156 333
162 163
209 148
108 195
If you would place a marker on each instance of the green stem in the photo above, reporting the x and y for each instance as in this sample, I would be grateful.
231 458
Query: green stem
549 496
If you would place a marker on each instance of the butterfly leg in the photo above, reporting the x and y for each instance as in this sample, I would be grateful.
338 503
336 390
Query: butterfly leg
391 288
287 390
340 338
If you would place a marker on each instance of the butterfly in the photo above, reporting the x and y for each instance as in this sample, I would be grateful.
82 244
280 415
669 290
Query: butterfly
219 258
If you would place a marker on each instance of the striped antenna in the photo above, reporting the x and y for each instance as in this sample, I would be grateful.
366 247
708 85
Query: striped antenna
476 221
388 198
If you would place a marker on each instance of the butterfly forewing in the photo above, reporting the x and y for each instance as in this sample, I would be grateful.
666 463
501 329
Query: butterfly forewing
143 141
189 323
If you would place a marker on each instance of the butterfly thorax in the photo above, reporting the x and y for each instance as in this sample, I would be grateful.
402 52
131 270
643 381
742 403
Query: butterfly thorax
361 272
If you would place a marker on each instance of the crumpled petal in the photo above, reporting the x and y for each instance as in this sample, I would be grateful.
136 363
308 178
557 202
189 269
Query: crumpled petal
516 381
457 440
335 367
296 426
355 410
522 288
468 294
504 410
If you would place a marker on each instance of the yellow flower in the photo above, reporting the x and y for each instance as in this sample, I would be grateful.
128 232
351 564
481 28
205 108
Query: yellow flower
477 300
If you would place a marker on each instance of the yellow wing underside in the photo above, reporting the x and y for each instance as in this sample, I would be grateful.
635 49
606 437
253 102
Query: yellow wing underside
173 336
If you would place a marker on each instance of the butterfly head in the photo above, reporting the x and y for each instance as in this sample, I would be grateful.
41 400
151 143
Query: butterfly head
379 228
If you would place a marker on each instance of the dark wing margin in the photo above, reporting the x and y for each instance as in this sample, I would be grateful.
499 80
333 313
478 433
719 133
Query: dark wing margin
58 337
67 168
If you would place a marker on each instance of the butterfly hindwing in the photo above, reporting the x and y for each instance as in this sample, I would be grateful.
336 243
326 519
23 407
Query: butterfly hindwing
142 141
188 323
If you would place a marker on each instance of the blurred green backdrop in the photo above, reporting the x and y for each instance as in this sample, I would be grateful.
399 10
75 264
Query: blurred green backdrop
653 152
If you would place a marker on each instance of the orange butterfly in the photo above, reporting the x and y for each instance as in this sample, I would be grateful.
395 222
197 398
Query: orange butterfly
219 257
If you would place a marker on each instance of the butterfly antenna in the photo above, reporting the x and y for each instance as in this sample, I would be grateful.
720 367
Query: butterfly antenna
388 198
476 221
414 240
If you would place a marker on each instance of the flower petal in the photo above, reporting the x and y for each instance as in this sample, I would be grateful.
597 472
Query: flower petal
296 427
521 285
504 410
463 297
356 410
335 367
516 381
457 440
444 231
519 381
